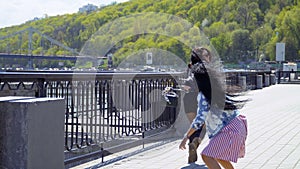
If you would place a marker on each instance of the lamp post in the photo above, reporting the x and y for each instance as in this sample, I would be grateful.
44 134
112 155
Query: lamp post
256 58
258 41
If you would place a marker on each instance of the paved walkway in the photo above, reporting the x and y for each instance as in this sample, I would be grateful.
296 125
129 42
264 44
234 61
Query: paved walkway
273 140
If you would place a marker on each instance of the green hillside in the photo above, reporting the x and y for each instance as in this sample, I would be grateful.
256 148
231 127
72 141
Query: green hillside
244 30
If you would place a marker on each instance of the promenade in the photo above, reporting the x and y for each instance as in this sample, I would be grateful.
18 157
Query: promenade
273 136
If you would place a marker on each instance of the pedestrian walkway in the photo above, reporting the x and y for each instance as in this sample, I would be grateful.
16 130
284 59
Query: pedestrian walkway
273 136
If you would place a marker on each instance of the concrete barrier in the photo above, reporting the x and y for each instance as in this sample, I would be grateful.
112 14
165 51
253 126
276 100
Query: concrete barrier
259 82
242 82
31 133
272 79
267 81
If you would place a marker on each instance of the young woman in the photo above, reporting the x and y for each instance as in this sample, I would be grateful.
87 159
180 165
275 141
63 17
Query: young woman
225 126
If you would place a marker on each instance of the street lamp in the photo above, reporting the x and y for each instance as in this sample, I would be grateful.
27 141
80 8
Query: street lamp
258 41
256 58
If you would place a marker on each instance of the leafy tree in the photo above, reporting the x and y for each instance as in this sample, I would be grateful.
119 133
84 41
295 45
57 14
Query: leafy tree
260 37
239 30
222 45
242 45
291 29
215 29
247 14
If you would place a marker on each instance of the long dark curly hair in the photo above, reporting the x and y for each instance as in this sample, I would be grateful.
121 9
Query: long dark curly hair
210 78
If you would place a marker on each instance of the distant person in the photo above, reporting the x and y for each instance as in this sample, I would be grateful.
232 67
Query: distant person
190 107
225 126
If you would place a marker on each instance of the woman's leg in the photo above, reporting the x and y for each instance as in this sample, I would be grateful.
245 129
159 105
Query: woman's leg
193 144
225 164
210 162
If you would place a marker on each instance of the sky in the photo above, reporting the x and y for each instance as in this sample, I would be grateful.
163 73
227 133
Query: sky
16 12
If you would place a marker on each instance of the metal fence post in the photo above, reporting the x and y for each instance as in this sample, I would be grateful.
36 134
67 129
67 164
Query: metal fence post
41 91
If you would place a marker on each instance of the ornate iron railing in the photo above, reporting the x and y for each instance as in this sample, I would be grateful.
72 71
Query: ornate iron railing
288 76
99 106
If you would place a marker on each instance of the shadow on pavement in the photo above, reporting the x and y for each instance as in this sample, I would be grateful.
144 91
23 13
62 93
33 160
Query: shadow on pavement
194 166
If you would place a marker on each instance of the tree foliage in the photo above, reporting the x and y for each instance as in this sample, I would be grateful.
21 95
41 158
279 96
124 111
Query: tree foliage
239 30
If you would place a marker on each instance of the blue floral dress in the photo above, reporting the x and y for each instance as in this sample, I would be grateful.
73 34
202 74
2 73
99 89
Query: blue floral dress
214 120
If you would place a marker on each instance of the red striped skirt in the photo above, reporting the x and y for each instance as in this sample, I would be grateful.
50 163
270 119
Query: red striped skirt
229 143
